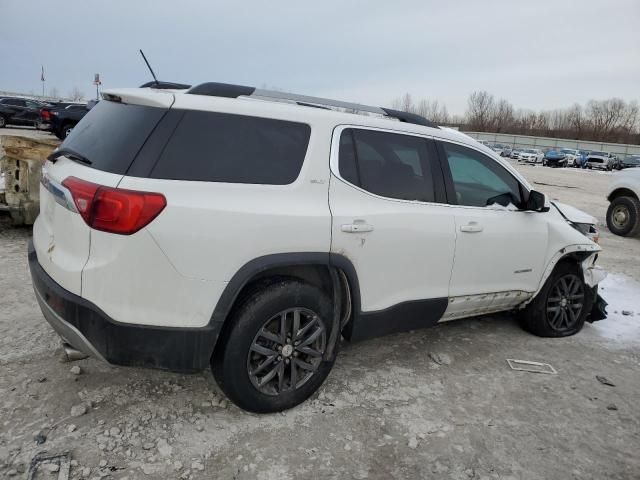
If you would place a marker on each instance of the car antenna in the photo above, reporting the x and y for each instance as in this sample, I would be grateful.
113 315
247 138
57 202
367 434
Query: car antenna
149 67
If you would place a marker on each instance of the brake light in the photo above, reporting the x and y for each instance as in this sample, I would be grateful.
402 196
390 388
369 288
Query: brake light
45 115
114 210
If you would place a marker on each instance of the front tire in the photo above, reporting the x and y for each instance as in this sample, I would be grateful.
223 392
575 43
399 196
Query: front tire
271 357
623 216
562 306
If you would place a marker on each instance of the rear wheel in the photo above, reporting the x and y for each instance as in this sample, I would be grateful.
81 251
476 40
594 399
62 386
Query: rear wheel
66 130
271 357
623 216
561 307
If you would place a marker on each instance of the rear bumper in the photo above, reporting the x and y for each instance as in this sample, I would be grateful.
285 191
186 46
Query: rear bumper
85 327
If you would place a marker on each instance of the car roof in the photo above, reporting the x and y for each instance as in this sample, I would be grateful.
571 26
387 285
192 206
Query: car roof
291 111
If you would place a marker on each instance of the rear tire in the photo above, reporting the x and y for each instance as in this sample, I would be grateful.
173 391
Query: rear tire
66 131
623 216
562 306
255 359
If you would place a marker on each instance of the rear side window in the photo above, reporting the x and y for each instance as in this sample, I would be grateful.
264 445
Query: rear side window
387 164
111 134
221 147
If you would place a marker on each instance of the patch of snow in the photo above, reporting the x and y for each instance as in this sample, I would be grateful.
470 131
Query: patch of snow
622 294
2 184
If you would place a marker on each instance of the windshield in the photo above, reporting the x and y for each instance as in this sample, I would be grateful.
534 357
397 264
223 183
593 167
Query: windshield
529 151
601 154
566 150
635 160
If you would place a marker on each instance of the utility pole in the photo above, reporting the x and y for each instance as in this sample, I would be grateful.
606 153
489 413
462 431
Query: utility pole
97 83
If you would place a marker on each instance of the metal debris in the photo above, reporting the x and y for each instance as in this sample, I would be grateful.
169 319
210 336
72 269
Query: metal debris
60 459
533 367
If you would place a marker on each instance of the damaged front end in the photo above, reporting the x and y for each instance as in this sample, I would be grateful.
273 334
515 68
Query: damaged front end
593 274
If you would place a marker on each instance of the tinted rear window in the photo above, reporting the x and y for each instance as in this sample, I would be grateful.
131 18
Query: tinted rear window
221 147
111 134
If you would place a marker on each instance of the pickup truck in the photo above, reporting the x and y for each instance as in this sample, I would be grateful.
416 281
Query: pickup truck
601 160
62 120
623 214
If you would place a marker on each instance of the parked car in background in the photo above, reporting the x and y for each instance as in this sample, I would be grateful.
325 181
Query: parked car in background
498 148
623 214
531 155
62 120
631 161
515 153
572 156
600 160
555 158
20 111
506 151
582 159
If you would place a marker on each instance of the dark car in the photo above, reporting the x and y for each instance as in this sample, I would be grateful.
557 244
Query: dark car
632 161
60 121
555 158
20 111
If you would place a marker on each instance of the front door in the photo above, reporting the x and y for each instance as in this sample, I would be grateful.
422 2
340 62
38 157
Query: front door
499 256
387 223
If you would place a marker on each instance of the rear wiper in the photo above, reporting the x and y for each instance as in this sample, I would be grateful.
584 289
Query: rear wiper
70 154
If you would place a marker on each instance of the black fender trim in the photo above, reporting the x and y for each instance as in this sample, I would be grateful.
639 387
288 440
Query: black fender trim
261 264
405 316
363 325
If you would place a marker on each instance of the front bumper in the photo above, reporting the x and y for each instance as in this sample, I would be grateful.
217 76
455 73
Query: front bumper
88 329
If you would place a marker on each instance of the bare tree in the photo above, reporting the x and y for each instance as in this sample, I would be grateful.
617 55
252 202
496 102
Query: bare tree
612 120
54 92
480 110
76 94
502 116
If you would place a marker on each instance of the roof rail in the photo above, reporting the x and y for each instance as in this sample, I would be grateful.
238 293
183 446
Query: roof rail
215 89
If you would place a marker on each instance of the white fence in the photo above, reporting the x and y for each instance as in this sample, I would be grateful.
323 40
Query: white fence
525 141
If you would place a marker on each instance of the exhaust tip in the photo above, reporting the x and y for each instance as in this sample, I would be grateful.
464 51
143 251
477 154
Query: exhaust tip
71 354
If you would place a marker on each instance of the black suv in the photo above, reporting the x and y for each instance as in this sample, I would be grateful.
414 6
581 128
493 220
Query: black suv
20 111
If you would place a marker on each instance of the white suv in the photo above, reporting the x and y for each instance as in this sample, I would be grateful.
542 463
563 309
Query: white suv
248 230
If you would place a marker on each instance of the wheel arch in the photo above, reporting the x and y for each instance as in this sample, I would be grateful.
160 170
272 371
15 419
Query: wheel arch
314 268
574 255
622 192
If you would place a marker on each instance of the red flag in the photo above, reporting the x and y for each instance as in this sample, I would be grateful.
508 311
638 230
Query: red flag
42 74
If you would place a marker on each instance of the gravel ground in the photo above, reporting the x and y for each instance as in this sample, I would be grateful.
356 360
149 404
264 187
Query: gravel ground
436 403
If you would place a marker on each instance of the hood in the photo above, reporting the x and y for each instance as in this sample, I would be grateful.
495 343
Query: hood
574 214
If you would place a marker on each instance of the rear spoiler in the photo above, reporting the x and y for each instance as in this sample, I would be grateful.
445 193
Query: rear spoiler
140 96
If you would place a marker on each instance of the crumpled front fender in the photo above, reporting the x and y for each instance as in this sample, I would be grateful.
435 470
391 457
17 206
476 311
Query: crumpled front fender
593 274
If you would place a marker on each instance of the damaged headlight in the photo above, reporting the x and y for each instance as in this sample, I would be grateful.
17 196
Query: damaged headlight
589 230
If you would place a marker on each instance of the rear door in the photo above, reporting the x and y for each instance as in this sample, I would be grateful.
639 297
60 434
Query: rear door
384 194
107 141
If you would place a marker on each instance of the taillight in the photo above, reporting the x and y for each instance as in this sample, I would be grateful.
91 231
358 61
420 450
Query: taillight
114 210
45 115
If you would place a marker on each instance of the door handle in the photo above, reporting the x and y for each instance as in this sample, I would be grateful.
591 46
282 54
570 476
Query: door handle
472 227
356 228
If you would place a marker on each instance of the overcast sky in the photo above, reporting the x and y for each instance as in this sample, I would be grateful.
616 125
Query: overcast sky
539 54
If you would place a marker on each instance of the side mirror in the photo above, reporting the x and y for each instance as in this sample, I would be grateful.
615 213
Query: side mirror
536 202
